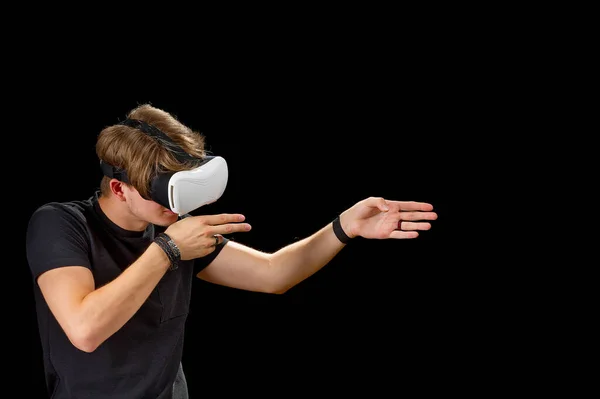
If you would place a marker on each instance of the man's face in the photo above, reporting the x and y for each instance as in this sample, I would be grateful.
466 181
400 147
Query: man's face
148 211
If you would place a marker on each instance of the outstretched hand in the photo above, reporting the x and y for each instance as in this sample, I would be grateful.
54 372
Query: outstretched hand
376 217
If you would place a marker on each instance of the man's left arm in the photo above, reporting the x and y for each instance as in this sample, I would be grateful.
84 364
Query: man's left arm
242 267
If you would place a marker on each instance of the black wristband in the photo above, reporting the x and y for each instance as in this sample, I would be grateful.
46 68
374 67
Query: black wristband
171 249
339 232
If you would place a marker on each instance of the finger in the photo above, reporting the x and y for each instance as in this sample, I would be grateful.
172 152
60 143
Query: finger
410 226
418 216
218 239
412 205
399 234
229 228
213 241
222 218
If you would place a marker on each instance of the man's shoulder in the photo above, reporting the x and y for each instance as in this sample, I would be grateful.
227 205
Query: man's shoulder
53 211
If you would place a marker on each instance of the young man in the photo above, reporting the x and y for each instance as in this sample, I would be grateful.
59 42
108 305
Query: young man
113 273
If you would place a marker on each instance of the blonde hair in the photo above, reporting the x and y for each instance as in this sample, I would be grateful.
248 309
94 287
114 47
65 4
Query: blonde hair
142 156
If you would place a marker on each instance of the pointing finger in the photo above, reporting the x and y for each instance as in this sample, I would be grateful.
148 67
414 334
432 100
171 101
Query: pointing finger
223 218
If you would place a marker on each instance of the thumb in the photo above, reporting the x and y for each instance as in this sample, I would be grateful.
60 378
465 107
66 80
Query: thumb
380 203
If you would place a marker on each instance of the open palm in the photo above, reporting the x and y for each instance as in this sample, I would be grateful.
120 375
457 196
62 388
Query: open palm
378 218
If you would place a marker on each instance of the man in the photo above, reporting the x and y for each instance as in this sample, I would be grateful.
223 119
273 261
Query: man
113 273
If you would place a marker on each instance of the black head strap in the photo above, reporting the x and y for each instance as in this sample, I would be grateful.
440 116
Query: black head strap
161 137
154 132
113 172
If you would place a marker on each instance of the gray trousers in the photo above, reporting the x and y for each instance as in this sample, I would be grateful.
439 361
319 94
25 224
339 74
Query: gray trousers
180 390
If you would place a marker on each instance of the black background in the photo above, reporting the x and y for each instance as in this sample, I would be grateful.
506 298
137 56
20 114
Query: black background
305 138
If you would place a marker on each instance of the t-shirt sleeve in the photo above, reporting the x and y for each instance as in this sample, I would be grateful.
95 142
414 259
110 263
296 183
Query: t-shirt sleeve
55 238
201 263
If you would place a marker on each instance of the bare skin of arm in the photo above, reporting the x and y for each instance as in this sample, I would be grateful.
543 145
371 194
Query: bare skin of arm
246 268
239 266
89 315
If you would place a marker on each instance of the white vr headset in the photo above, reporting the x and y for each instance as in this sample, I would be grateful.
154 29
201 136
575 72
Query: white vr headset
183 191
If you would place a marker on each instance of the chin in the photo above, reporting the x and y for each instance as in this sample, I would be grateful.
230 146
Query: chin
166 219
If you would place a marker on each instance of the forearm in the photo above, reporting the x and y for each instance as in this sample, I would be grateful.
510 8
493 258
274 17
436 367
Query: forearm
298 261
106 309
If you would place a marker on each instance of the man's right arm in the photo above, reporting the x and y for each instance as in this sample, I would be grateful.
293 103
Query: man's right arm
60 264
90 315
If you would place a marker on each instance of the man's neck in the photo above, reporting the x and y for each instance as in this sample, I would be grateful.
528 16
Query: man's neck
118 213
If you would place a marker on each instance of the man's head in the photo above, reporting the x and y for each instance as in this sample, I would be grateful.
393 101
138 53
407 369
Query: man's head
129 148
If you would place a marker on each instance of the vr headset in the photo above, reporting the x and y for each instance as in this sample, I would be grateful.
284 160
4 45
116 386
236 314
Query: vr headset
183 191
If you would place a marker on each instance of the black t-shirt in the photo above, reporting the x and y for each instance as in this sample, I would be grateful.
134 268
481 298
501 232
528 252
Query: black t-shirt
140 360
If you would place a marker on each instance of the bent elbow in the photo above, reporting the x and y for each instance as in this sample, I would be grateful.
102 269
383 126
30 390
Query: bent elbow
275 291
280 291
276 288
275 283
83 339
86 346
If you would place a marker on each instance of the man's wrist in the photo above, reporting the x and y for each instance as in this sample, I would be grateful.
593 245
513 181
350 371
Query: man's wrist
169 247
160 252
340 231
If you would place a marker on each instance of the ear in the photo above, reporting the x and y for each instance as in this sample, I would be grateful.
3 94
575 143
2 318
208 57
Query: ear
116 187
